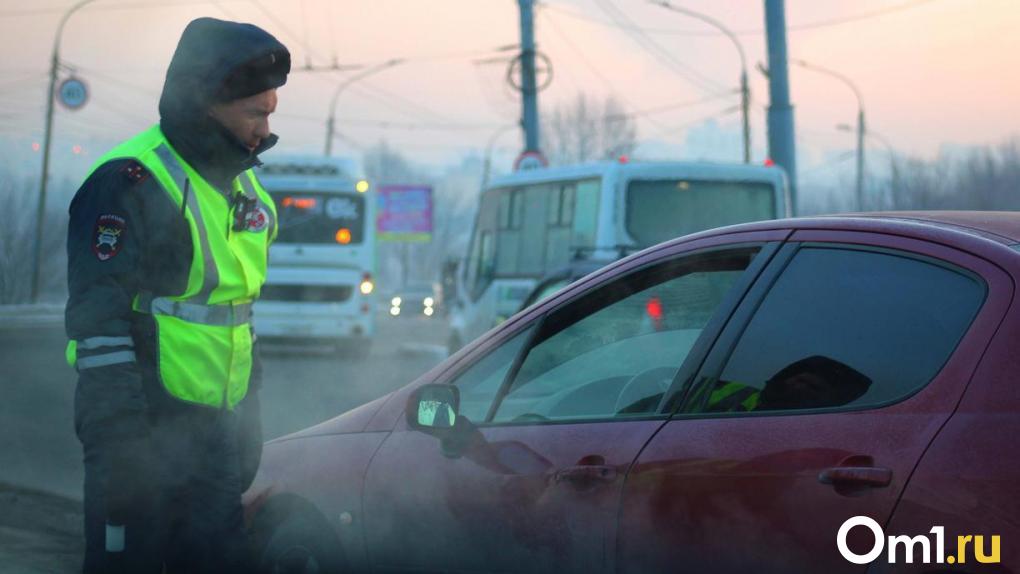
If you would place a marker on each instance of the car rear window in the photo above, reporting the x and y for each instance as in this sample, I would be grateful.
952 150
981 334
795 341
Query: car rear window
846 329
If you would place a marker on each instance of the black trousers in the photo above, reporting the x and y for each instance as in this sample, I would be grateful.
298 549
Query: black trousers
187 516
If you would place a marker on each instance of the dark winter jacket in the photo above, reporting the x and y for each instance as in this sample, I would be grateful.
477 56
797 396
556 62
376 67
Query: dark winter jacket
153 250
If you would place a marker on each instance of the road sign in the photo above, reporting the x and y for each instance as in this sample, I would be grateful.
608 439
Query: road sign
73 93
404 213
530 159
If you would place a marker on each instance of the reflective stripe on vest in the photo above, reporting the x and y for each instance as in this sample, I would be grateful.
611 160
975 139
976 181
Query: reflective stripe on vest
118 355
228 315
105 360
210 274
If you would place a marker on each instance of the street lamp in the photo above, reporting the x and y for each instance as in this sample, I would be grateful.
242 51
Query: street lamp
47 139
861 130
331 122
745 90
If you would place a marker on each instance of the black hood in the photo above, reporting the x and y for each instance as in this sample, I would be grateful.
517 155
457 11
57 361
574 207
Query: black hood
211 57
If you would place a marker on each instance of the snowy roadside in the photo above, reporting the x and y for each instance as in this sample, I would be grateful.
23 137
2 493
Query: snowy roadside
40 533
31 315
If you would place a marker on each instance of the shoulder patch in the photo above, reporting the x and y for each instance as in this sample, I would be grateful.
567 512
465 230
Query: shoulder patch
108 236
135 172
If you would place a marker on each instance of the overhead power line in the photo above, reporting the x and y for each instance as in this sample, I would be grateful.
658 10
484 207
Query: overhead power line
105 7
803 26
389 124
418 109
671 107
692 76
309 51
715 115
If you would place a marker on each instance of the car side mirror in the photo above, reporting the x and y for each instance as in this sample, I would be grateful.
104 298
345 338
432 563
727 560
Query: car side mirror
433 407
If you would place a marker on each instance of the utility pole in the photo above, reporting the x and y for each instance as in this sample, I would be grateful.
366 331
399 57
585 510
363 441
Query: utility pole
529 88
745 90
860 158
47 141
782 148
893 167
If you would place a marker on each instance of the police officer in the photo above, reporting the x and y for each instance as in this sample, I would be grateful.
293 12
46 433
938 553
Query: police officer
167 250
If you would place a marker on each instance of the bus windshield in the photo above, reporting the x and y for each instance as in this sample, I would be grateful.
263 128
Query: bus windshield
320 217
658 210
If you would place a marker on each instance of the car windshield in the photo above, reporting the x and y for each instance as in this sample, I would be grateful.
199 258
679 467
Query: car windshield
320 218
662 209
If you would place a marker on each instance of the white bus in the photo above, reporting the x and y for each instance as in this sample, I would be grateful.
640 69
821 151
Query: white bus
320 282
532 223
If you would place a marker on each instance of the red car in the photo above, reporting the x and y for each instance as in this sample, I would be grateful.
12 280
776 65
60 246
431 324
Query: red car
835 394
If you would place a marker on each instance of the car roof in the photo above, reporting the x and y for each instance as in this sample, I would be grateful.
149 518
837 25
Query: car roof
999 226
1002 224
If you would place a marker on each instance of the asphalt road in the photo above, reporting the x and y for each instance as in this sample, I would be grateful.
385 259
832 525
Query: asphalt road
40 455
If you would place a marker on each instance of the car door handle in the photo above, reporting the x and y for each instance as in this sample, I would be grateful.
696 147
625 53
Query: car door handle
584 475
856 476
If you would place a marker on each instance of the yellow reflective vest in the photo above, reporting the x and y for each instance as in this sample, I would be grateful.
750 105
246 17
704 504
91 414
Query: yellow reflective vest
204 336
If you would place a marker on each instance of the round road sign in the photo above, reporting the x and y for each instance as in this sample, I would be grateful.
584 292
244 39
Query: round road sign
530 160
73 93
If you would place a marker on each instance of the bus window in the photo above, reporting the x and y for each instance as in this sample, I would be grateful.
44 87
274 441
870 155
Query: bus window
481 263
658 210
531 257
560 216
311 217
511 208
585 213
486 263
508 244
560 210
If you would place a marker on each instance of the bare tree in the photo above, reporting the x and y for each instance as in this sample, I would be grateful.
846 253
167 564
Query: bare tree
985 178
586 129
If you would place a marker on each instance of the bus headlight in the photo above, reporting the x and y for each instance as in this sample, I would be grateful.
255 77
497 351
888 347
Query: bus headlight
394 311
396 301
367 286
429 301
428 311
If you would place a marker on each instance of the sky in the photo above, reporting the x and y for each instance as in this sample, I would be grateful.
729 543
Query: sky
932 73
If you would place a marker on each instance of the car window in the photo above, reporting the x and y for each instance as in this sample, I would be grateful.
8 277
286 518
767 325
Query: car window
479 383
845 329
615 351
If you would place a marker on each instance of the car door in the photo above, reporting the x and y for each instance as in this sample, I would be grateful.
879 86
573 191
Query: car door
561 407
814 406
